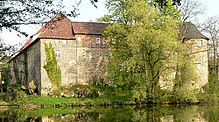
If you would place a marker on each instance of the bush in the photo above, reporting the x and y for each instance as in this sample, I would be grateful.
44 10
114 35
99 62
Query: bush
15 93
185 95
85 91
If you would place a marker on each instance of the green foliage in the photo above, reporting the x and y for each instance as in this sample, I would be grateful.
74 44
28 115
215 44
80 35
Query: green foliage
51 66
211 112
185 95
146 50
144 47
213 81
185 72
16 94
119 114
87 91
16 72
92 95
167 7
211 92
26 66
163 3
5 72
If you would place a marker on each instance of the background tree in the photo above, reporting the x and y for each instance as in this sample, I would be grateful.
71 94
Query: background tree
163 3
190 9
5 52
211 28
25 12
167 7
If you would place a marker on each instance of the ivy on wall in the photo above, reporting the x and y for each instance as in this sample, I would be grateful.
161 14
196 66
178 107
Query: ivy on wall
18 74
51 66
26 66
16 71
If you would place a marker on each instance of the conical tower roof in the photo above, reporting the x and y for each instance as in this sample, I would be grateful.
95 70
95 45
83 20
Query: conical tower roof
190 31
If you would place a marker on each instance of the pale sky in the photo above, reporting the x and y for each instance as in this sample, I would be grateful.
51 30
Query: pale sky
90 13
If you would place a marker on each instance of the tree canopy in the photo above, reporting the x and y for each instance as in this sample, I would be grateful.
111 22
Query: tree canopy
145 49
23 12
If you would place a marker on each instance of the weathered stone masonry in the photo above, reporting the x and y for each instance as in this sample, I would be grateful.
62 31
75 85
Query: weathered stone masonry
80 49
82 54
26 66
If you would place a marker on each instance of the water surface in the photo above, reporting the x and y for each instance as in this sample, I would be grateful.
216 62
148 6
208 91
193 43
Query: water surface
194 113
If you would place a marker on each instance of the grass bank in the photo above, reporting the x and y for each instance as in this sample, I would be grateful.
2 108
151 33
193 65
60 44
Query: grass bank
92 96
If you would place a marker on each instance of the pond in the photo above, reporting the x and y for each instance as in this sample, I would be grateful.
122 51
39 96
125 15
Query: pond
193 113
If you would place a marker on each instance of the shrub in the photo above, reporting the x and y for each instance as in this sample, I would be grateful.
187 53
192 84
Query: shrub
185 95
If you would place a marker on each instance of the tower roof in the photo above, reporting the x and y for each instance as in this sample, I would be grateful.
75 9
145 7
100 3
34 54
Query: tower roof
190 31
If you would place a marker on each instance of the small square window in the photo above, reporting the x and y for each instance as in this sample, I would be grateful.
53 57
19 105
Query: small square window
78 38
200 43
98 41
88 55
56 42
104 41
64 42
57 54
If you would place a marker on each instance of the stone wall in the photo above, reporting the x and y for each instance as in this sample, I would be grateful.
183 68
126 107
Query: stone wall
81 61
16 70
26 66
84 61
65 51
34 64
92 58
198 52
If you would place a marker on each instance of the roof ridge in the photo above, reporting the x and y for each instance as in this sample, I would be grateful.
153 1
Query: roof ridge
50 21
88 22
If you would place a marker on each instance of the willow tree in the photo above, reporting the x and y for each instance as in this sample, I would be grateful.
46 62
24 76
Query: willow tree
144 43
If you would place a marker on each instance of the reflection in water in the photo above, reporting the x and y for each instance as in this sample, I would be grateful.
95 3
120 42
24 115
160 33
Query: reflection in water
109 114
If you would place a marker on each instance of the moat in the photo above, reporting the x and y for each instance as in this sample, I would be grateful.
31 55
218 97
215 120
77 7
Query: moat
182 113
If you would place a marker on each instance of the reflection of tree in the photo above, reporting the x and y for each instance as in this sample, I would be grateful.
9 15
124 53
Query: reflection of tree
118 114
188 114
168 114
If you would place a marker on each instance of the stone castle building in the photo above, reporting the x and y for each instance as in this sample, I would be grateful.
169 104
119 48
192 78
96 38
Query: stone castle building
82 53
80 49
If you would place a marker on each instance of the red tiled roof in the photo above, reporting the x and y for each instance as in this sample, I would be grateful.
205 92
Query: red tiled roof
27 44
60 27
88 27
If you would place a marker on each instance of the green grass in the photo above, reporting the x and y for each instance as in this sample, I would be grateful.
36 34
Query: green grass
110 96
